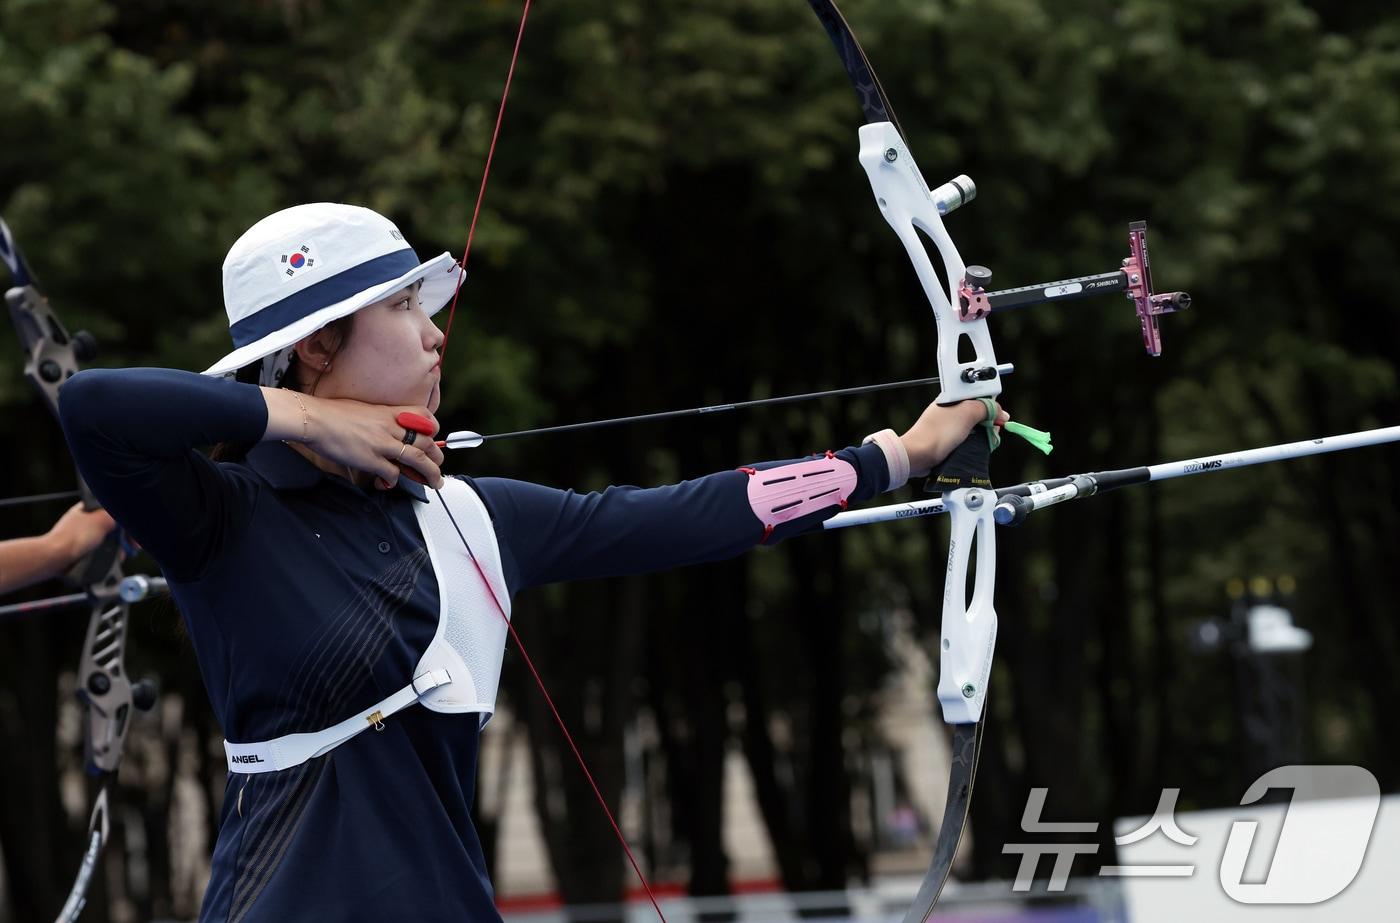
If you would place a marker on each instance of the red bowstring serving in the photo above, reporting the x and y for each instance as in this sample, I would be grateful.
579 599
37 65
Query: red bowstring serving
485 174
524 655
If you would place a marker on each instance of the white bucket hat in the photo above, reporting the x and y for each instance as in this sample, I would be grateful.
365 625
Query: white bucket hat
301 268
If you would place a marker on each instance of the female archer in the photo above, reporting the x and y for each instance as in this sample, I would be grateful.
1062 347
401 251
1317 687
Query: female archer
347 603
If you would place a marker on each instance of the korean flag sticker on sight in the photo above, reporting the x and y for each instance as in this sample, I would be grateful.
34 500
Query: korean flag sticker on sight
297 260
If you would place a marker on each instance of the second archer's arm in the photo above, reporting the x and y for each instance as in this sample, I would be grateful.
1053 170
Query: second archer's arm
32 559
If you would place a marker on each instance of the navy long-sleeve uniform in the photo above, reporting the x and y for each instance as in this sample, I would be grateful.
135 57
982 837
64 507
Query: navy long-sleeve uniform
307 599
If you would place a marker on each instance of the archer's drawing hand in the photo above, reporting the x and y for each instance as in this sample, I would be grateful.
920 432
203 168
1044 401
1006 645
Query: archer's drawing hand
355 435
940 429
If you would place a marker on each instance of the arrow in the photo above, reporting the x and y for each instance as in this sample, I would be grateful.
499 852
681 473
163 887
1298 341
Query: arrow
466 439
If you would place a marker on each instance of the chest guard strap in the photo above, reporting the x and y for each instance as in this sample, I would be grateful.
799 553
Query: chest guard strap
461 669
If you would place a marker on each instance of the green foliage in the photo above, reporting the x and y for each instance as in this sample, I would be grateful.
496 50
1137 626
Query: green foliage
676 217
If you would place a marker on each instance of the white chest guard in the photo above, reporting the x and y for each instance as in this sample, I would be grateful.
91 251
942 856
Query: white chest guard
461 669
471 633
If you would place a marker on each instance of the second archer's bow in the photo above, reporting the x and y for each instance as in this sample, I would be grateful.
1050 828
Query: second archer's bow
107 693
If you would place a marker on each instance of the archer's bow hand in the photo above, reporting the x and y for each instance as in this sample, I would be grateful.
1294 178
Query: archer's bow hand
942 428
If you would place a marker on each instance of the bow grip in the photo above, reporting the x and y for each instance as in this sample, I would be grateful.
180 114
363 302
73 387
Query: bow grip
99 571
966 466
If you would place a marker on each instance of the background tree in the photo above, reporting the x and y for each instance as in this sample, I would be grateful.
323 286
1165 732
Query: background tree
676 217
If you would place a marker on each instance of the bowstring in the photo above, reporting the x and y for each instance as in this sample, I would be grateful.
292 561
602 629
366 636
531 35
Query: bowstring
485 174
524 655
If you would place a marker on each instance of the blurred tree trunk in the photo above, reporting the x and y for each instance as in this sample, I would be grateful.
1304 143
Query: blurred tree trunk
587 657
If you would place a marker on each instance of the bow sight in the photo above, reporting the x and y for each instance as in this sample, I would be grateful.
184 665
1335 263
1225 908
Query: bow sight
1135 278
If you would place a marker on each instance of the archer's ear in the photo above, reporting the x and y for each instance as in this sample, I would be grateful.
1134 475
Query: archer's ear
316 351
